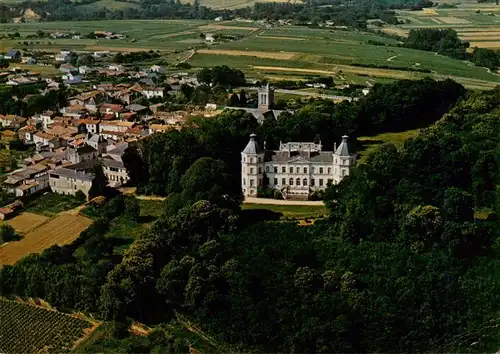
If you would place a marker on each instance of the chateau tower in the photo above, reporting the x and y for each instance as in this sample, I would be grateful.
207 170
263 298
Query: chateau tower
266 98
343 161
252 167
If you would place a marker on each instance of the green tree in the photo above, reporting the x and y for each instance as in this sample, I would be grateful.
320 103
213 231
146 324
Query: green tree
99 183
7 233
210 179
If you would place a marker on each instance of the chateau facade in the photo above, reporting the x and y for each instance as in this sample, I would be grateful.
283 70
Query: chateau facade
296 169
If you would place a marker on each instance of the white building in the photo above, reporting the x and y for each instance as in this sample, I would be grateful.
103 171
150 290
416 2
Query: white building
296 169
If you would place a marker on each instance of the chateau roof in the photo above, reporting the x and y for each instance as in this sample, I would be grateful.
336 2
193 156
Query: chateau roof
343 150
253 146
300 156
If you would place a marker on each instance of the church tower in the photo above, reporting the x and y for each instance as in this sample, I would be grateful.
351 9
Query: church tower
266 98
343 161
252 167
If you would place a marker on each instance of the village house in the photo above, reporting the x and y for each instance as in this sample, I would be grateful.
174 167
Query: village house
68 181
46 118
101 54
72 79
149 91
91 126
113 166
26 133
13 121
90 100
157 69
28 181
29 60
96 141
63 56
82 153
115 172
13 55
45 139
296 169
10 210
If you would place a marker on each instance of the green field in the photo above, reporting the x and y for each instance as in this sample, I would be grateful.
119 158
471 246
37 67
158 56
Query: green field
330 50
372 143
285 52
295 211
26 328
165 35
51 204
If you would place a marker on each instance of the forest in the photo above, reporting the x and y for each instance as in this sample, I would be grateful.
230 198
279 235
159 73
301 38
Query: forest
403 262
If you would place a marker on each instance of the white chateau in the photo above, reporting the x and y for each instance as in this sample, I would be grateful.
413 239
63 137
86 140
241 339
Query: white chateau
296 169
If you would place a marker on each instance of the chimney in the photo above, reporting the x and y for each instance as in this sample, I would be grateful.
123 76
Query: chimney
334 147
289 152
309 153
265 145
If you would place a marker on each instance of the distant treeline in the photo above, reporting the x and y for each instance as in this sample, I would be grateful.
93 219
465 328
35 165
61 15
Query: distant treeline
446 42
341 12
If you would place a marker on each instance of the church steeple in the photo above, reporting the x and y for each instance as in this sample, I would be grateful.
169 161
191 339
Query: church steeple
266 98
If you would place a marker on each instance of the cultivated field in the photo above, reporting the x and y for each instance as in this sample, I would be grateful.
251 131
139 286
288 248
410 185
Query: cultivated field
25 328
293 52
476 23
25 222
165 35
346 55
60 230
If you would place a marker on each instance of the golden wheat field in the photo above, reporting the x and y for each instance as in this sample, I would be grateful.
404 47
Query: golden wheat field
61 230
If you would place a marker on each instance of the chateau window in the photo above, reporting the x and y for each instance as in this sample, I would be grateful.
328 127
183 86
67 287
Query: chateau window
283 169
305 169
290 181
275 181
291 169
312 169
275 169
244 159
312 182
330 181
298 181
252 182
251 159
321 170
267 168
260 169
329 170
321 182
251 170
298 169
304 182
259 159
335 160
343 172
244 182
283 181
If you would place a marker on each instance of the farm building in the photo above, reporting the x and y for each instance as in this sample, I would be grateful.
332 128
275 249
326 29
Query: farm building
13 55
